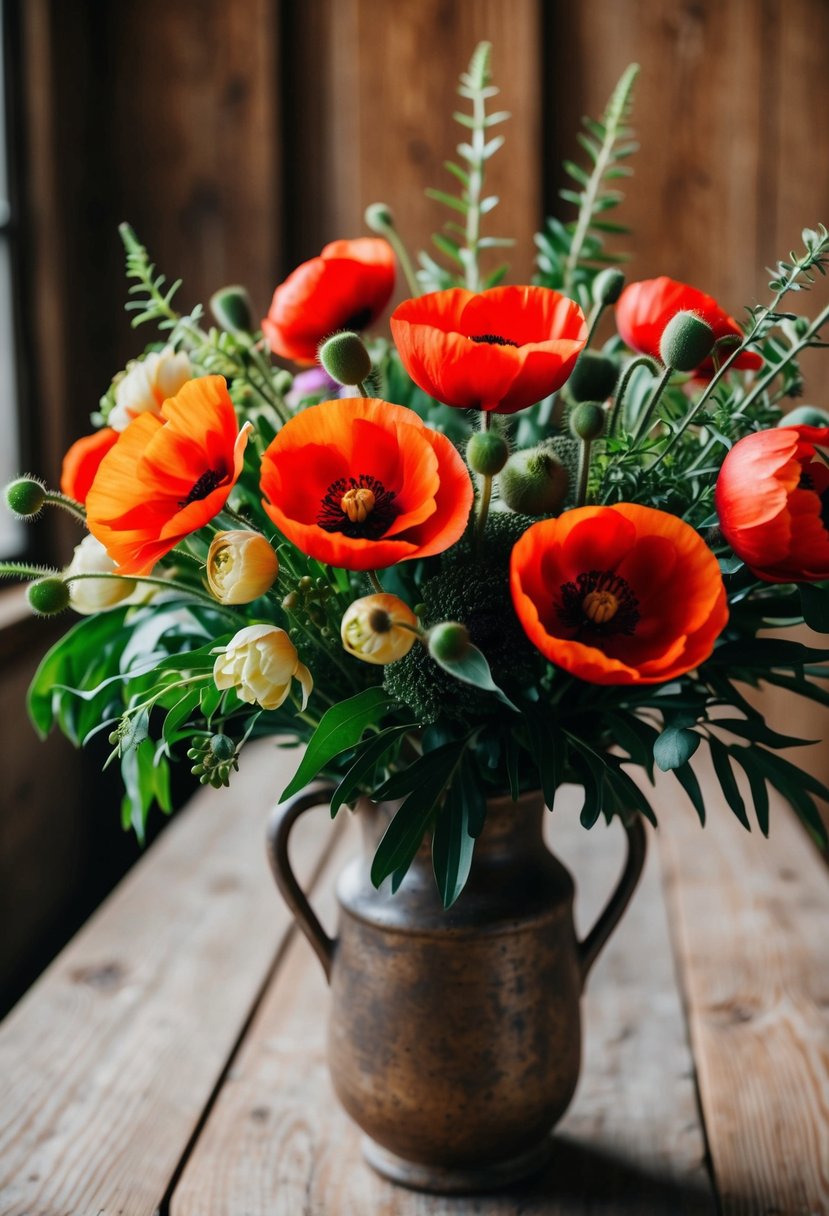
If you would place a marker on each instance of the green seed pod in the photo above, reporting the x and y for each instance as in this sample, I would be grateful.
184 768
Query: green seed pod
379 218
306 583
607 286
487 452
345 358
222 747
231 308
25 497
594 377
587 420
686 341
290 601
48 596
534 482
448 641
805 415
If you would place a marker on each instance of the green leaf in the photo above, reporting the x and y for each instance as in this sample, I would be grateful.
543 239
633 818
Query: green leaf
815 604
636 736
473 669
674 747
448 200
429 777
549 749
340 728
756 730
366 759
760 653
687 778
452 845
757 780
720 754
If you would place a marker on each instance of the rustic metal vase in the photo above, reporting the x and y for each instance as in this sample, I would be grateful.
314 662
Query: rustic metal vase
454 1036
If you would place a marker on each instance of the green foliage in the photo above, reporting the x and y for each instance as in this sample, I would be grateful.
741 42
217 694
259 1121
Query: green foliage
571 255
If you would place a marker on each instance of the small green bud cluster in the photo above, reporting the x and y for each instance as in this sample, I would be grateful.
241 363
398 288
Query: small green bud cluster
215 759
25 497
310 599
345 358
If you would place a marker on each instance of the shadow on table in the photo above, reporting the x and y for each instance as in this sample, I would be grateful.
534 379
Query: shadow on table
588 1178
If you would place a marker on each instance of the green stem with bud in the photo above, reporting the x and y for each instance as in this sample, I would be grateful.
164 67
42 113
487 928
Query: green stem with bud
616 412
53 499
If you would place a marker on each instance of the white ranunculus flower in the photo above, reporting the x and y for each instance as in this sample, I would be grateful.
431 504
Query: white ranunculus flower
374 629
147 383
241 566
259 662
90 595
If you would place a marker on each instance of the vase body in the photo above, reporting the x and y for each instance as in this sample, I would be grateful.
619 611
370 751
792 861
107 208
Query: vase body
455 1035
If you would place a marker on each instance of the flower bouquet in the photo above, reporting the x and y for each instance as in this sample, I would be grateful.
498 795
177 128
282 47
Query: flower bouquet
477 559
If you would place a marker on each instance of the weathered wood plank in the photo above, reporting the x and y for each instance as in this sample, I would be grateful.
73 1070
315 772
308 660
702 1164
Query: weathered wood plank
276 1141
109 1061
750 919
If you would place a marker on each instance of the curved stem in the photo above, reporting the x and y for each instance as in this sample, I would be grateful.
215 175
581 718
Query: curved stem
639 361
486 490
75 509
375 581
647 417
405 262
584 472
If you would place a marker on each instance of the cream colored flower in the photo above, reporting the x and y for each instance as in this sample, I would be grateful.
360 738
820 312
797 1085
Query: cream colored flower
259 662
371 629
147 383
241 566
89 595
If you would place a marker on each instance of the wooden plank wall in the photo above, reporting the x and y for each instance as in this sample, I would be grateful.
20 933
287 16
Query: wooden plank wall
239 138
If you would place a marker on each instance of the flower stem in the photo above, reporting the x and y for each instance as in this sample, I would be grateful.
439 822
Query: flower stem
486 490
375 581
647 417
402 254
584 472
616 412
363 390
75 509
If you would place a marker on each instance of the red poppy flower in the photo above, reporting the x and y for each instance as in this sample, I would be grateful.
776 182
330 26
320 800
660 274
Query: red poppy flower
167 475
645 308
618 595
362 484
346 287
772 498
80 464
501 350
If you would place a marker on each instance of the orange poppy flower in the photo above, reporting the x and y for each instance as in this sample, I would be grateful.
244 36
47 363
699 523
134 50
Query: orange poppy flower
167 475
80 464
346 287
363 484
772 498
618 595
500 350
645 308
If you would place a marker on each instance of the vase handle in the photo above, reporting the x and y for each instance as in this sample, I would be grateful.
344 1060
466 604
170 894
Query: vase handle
590 948
279 829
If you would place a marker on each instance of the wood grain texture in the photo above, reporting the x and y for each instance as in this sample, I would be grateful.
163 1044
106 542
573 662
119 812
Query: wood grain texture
277 1142
110 1060
750 920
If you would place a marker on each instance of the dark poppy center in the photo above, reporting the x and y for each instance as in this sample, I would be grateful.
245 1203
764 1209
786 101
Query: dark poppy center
358 320
815 477
599 602
492 340
360 507
205 485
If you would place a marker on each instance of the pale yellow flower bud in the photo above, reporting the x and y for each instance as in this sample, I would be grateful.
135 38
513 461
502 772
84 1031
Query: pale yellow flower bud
241 566
259 662
90 595
371 629
146 385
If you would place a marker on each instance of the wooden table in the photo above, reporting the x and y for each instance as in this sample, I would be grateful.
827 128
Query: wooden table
172 1058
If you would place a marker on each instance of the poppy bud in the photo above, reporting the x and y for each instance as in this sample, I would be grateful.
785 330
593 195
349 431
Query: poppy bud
25 497
345 358
241 566
594 377
371 629
607 286
805 415
449 641
686 342
48 596
587 420
379 218
231 308
534 482
487 453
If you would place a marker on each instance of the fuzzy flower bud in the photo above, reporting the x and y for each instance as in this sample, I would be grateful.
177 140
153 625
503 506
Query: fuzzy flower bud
345 358
534 482
587 420
241 566
607 286
90 595
25 496
594 377
371 629
448 641
259 663
48 596
686 342
232 310
379 218
487 453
